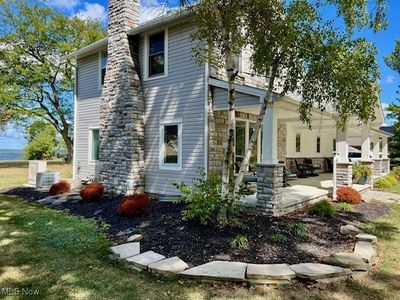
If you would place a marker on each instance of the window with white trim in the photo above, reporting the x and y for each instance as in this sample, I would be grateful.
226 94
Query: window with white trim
94 144
171 145
298 142
156 54
103 65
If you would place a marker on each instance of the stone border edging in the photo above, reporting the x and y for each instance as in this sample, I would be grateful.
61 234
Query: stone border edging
337 266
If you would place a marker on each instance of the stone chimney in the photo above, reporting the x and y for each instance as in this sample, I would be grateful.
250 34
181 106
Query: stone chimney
122 106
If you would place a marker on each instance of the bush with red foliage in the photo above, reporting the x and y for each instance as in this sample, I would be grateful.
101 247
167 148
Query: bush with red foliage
133 206
60 187
93 192
349 195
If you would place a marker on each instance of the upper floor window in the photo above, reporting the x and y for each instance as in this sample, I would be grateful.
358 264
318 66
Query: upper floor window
318 144
298 142
103 66
157 54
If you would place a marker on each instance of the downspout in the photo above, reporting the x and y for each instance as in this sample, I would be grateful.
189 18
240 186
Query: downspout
335 159
206 116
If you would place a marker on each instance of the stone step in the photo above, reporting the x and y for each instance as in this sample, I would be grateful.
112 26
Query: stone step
218 270
142 261
350 261
367 238
269 271
365 250
350 230
126 250
170 266
315 271
135 238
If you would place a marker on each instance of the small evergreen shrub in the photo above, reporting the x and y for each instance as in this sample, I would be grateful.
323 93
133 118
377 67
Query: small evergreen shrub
60 187
323 208
386 182
348 195
278 238
396 172
343 206
239 241
92 192
134 206
298 229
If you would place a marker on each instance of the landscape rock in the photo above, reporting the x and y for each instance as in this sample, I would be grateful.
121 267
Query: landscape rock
126 250
315 271
365 250
347 260
269 271
135 238
218 270
350 230
145 259
366 238
169 266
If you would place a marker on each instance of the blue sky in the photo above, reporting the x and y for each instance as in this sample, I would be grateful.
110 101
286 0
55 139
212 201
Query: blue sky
390 80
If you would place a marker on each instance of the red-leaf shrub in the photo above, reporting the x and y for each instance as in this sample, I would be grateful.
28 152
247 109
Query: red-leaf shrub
349 195
93 192
60 187
133 206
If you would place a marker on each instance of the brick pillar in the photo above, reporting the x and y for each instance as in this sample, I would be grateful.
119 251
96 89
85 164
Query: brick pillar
344 174
385 166
376 167
269 188
122 105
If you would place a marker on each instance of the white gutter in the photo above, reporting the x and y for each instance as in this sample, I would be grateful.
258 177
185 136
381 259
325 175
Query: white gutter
334 183
88 49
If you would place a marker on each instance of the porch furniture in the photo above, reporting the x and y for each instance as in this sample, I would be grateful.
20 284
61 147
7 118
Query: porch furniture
329 164
311 167
302 169
248 179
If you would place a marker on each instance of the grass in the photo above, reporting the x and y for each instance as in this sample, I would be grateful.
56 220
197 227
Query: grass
66 257
15 173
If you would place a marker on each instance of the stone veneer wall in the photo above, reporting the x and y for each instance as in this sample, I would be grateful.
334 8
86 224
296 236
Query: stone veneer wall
122 105
269 188
344 174
385 165
377 167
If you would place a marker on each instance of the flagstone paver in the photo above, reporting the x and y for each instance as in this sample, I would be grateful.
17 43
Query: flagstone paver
366 237
347 260
269 271
145 259
218 270
173 265
126 250
365 250
350 230
135 238
315 271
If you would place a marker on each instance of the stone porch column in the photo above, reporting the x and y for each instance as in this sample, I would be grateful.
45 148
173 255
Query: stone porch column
269 172
376 160
344 169
366 148
385 156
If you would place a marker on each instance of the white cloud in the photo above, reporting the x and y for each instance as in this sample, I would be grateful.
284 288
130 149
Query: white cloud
92 11
389 79
62 4
150 9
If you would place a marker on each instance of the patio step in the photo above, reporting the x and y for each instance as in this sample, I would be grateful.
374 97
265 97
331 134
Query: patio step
169 266
126 250
143 260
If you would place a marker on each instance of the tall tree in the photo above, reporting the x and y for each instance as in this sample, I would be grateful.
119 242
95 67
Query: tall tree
35 83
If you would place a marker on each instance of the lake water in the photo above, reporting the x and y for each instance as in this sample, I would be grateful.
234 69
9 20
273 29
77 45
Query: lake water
7 154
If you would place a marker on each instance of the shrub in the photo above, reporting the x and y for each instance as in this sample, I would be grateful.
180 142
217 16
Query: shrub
239 241
396 172
92 192
60 187
298 229
348 195
133 206
278 238
41 141
385 182
203 199
360 170
344 206
323 208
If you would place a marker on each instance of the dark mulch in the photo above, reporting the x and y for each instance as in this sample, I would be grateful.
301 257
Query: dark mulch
165 232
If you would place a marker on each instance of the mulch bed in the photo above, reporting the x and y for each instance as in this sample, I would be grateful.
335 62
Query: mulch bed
166 233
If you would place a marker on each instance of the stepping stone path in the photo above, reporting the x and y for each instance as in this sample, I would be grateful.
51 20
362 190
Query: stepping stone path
135 238
169 266
218 270
350 230
142 261
268 271
313 271
126 250
347 260
366 238
365 250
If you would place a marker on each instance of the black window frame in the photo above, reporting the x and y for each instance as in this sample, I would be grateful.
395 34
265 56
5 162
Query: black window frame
162 53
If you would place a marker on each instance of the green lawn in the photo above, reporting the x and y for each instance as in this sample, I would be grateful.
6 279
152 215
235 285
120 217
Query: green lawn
15 173
66 257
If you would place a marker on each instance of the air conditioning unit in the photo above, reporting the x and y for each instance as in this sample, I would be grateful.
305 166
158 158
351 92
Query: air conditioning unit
46 179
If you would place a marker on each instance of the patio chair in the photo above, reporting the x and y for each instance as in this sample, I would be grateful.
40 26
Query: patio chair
311 167
329 165
248 179
302 169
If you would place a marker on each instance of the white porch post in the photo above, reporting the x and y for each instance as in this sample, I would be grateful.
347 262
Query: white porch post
376 150
344 169
365 142
376 160
270 140
342 146
385 156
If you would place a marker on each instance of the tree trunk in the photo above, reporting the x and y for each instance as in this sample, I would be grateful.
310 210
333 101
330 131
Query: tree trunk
260 118
69 144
